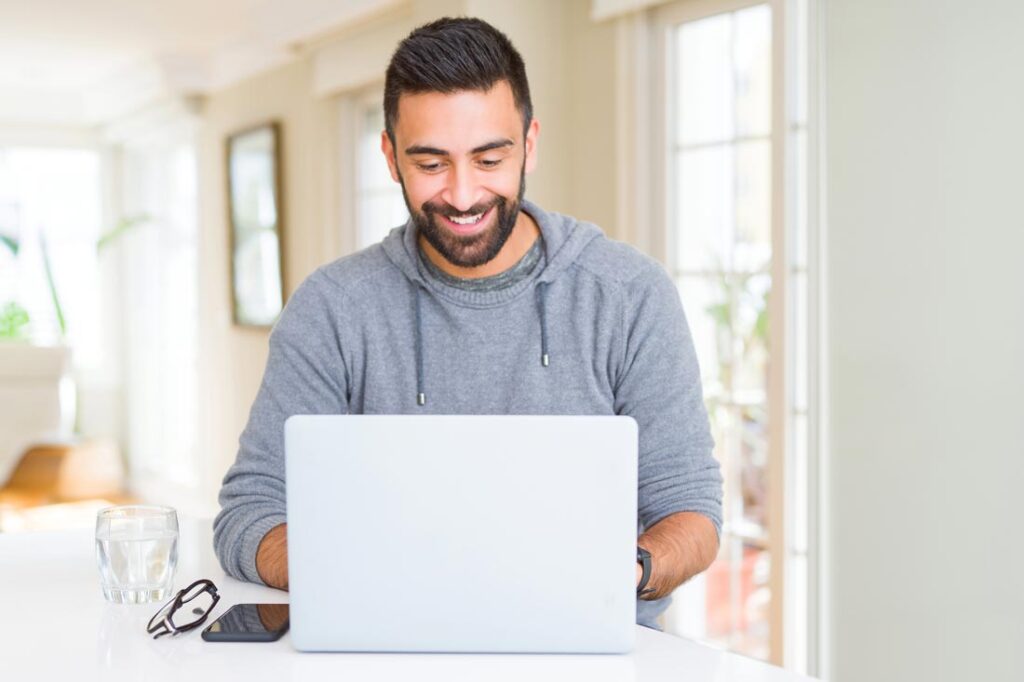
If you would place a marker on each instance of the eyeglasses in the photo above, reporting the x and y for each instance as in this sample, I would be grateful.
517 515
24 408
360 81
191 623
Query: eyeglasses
163 624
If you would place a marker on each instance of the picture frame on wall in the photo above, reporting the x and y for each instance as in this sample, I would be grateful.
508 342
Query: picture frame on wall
255 225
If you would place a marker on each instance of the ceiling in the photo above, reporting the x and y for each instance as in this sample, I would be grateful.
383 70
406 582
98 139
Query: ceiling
87 61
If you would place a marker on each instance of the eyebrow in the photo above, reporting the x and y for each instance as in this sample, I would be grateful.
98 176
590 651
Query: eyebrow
434 151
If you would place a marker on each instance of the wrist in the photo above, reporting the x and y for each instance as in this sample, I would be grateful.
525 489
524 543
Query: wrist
272 557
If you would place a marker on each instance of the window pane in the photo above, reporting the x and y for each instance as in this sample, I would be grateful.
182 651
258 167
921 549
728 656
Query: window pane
753 425
753 63
61 235
373 168
728 316
704 92
753 206
705 208
378 215
720 238
750 329
738 598
726 432
700 301
379 198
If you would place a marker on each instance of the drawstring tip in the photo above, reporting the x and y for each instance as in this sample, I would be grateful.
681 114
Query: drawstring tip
421 399
544 359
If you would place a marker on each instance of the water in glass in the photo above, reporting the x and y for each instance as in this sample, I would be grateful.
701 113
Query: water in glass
137 552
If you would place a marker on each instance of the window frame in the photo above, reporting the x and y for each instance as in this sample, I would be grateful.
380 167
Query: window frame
652 151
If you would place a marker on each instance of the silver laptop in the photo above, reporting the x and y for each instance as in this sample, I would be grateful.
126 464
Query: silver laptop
462 533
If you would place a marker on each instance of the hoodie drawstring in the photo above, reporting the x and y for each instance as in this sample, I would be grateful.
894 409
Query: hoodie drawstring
421 397
542 292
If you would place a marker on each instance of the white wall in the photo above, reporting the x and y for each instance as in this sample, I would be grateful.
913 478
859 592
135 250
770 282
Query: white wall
232 358
925 106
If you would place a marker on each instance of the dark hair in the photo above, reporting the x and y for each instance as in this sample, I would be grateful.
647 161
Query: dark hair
452 55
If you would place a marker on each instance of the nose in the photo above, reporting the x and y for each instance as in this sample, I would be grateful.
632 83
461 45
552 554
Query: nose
462 191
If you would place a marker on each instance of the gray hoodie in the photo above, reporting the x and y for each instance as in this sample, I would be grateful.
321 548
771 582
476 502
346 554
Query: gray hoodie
598 329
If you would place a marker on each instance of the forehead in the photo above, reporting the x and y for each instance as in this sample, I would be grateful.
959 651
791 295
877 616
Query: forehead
459 120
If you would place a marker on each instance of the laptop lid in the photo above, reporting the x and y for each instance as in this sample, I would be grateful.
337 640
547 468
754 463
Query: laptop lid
462 533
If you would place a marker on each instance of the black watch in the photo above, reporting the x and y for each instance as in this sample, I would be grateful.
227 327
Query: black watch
643 557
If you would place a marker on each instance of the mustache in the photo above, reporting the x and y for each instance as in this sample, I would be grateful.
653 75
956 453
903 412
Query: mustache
449 211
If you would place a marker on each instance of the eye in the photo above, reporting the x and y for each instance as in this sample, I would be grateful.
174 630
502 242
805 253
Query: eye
490 163
429 167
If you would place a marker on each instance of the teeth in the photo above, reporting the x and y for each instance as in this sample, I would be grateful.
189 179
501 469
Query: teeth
469 220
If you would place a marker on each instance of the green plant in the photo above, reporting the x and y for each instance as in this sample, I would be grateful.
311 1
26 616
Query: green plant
13 322
741 325
122 227
11 243
736 336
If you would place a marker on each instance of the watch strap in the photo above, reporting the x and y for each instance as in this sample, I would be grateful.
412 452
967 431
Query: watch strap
643 557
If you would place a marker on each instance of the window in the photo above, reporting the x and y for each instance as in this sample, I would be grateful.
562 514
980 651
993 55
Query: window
55 275
380 206
125 280
161 315
720 250
731 106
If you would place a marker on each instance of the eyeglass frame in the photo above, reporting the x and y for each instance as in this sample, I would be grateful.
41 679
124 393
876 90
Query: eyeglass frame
176 603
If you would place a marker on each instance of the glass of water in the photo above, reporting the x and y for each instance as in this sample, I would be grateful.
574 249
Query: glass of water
137 552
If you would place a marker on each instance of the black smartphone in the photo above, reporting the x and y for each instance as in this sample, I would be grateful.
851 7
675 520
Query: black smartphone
249 623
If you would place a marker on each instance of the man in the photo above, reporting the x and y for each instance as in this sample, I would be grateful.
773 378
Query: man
482 303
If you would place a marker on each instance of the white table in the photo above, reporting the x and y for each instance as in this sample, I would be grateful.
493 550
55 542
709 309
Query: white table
55 625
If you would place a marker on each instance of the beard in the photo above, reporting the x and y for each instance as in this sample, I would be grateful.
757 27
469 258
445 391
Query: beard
468 251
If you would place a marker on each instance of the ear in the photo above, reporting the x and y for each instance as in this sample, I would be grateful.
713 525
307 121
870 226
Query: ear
531 145
389 154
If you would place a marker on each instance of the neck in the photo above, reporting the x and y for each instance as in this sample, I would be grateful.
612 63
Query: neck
524 234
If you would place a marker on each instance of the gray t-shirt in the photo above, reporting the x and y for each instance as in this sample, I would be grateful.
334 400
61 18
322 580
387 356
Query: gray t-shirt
518 272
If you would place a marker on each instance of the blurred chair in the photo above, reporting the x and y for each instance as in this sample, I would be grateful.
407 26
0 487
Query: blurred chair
48 478
62 485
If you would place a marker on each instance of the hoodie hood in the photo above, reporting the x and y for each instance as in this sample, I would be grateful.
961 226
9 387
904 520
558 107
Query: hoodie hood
564 239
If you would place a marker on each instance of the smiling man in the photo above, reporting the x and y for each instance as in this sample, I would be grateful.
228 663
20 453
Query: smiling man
483 303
